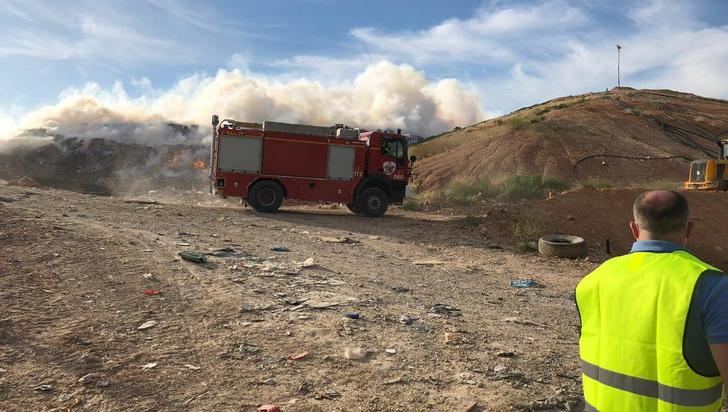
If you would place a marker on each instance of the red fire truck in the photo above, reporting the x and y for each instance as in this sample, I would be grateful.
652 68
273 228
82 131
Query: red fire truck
265 163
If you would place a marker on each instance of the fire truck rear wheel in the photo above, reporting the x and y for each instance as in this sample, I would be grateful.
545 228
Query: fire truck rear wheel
353 207
266 196
373 202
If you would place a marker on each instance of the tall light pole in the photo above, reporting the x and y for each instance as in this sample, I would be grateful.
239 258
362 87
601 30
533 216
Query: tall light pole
619 53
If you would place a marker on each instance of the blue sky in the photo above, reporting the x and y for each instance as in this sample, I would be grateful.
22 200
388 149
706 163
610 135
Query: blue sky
164 57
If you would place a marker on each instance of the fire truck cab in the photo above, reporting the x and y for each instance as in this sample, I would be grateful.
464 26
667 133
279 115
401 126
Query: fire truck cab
265 163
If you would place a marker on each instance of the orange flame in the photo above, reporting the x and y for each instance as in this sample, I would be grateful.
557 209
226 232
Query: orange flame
199 165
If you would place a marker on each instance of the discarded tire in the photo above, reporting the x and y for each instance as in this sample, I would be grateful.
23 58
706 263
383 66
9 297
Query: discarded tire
563 246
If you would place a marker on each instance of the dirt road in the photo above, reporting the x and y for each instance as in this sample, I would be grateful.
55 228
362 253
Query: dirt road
74 269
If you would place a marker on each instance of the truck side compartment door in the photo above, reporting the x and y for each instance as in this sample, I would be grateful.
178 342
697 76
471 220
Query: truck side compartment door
240 154
341 162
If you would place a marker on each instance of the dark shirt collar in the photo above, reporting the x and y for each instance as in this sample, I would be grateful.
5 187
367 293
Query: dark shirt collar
658 246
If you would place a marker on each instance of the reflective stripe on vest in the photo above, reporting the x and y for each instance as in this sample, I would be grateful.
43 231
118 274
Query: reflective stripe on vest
633 311
653 389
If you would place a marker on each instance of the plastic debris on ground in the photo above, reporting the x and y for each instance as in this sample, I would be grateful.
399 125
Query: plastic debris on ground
354 354
299 356
152 292
149 365
352 315
148 324
269 408
193 256
447 310
43 388
280 249
525 283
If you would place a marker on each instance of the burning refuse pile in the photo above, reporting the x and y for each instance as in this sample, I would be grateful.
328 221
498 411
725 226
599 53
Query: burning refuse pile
108 164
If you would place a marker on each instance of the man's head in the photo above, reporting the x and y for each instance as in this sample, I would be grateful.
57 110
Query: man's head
661 215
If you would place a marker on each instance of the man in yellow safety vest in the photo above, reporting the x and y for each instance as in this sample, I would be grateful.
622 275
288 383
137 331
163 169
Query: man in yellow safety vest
654 322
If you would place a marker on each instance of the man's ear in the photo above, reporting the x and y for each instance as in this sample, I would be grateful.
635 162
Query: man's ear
635 229
689 229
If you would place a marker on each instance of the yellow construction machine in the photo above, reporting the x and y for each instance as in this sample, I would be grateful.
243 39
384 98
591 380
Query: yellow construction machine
710 174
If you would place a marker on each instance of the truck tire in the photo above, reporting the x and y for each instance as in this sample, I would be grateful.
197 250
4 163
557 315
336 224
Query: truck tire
353 207
373 202
266 196
563 246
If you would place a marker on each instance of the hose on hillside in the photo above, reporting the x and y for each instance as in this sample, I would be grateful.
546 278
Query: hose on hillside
573 167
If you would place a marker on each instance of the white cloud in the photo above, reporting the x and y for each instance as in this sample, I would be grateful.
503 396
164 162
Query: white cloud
488 37
94 33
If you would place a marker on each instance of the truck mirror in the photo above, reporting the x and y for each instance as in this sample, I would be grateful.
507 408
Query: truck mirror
413 158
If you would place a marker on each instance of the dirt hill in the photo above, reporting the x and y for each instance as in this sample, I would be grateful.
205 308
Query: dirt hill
548 139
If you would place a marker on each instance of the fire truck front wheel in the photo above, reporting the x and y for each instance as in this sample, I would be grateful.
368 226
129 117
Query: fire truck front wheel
373 202
266 196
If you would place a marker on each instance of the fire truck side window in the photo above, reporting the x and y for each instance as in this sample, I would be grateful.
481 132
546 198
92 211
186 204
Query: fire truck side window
393 148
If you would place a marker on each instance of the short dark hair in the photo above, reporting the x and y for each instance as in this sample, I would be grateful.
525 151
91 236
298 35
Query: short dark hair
661 212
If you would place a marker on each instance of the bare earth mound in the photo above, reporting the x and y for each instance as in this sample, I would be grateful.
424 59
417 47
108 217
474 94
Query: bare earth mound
548 139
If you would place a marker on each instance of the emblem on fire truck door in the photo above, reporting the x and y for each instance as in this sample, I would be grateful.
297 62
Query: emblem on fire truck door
389 167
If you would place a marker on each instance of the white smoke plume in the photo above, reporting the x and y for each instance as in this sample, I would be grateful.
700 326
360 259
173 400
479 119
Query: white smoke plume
383 95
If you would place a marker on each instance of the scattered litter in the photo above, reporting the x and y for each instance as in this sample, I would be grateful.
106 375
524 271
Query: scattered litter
148 324
446 310
148 276
308 263
354 354
3 370
43 388
321 299
400 289
183 243
329 239
299 356
191 366
393 381
248 348
374 237
152 292
303 317
269 381
352 315
226 252
64 397
428 262
525 283
328 394
406 319
505 354
269 408
391 351
150 365
280 249
193 256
